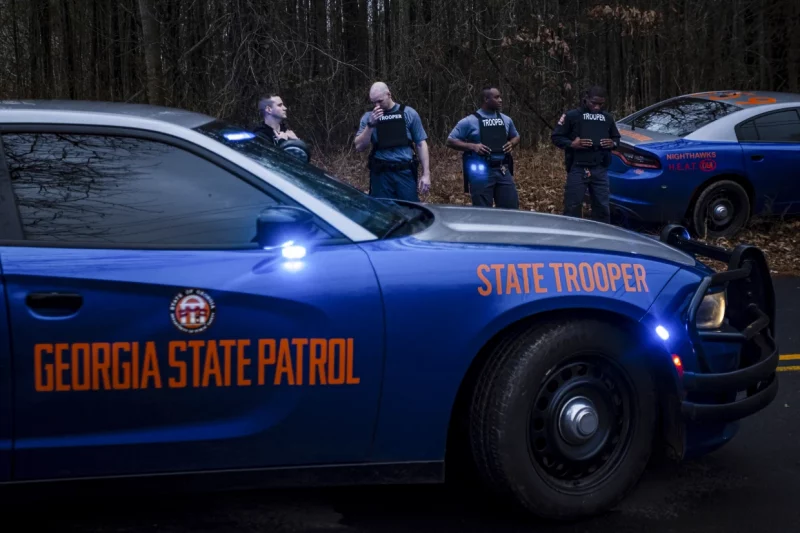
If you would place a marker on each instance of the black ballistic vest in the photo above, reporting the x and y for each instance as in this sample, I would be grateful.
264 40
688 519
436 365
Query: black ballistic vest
493 134
592 126
391 130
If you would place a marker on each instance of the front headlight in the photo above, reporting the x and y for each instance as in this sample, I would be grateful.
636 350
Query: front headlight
712 311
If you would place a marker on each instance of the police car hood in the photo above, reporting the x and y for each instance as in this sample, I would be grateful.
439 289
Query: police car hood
480 225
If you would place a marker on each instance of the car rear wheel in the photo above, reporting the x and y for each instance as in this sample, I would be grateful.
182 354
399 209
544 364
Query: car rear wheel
721 210
563 419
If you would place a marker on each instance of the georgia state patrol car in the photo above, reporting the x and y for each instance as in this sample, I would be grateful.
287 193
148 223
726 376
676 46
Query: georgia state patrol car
182 300
715 159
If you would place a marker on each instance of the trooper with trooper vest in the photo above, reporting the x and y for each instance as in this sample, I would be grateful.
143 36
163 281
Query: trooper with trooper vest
587 135
394 129
487 138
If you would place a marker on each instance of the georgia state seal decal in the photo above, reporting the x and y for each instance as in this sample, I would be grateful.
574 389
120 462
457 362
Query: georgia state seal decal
192 311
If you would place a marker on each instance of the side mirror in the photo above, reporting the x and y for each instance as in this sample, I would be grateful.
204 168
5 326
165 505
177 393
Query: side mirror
277 225
296 148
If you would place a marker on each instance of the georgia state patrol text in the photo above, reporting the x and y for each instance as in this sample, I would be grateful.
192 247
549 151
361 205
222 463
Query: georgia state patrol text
180 364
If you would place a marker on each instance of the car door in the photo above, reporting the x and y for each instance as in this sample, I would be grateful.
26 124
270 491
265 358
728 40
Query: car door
6 398
151 335
8 222
771 149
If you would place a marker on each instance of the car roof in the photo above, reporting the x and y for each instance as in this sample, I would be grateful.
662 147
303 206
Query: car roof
80 111
753 98
722 129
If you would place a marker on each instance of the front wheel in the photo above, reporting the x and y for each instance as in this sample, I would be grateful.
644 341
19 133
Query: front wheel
563 418
721 210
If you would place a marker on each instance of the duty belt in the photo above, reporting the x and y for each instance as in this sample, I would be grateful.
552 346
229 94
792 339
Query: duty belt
380 164
588 158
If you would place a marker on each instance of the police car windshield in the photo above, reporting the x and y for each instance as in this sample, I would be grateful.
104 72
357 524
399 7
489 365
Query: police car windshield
376 216
681 117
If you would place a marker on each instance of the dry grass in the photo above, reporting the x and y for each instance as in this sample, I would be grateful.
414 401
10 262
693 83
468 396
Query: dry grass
540 180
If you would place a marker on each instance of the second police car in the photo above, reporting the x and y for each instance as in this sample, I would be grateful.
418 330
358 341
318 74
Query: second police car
713 159
183 301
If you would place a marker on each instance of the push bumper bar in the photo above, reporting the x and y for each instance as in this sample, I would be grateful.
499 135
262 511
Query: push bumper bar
750 314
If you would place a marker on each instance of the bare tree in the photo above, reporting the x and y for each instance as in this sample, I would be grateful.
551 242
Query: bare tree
151 33
219 56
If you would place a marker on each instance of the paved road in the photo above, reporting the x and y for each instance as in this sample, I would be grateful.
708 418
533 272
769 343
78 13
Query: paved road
748 486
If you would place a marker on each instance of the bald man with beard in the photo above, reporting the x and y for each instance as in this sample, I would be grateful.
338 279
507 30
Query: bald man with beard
394 130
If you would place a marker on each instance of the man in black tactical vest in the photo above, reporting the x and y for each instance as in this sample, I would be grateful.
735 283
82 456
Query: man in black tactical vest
394 130
487 138
587 135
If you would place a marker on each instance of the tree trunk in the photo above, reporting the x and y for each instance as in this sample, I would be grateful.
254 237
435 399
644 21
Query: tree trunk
793 53
151 36
17 64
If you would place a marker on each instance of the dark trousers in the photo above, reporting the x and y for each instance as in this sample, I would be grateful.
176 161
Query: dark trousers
496 188
575 189
394 184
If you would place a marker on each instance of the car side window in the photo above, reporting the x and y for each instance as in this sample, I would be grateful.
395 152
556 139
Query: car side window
106 189
781 126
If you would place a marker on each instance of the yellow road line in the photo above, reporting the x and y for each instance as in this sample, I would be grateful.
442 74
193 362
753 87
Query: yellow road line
789 357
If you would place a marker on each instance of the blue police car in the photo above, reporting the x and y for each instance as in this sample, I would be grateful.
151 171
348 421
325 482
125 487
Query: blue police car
186 305
712 159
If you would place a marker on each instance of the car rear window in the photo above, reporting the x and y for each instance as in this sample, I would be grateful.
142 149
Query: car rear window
682 116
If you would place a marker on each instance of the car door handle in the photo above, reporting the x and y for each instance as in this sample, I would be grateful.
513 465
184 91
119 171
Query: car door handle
54 301
757 157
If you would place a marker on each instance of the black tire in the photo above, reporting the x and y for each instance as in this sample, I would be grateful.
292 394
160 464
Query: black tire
721 210
508 426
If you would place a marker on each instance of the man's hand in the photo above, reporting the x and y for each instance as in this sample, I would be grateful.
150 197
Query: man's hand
376 114
606 143
424 184
289 134
508 147
481 149
581 143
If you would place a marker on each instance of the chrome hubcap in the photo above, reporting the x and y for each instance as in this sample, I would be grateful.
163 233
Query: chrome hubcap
720 212
578 421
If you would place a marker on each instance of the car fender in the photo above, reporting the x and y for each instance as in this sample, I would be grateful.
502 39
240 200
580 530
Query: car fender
556 305
440 315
